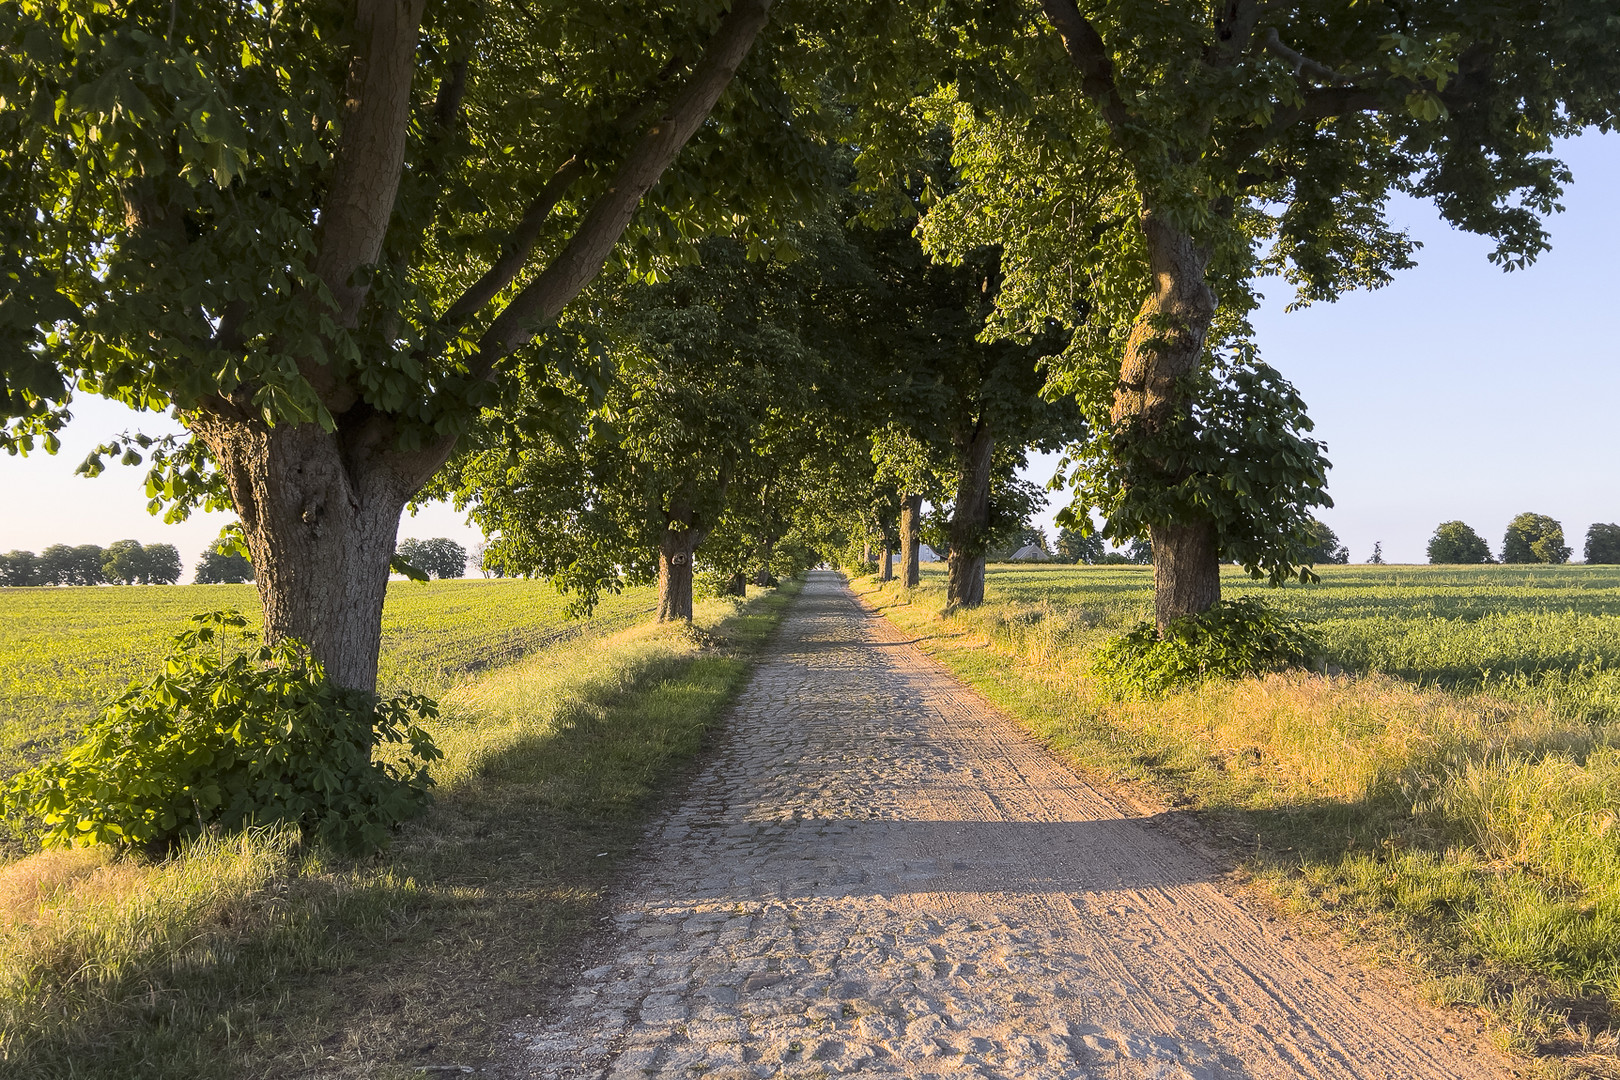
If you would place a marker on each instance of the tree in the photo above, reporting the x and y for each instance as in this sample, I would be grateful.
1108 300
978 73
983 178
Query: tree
1377 556
19 568
725 377
1455 542
60 564
326 236
1074 546
162 564
440 557
123 562
1147 164
1603 543
1324 546
978 405
223 563
1534 538
128 562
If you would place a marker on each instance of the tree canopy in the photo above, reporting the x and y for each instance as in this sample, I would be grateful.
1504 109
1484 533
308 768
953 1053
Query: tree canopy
1456 542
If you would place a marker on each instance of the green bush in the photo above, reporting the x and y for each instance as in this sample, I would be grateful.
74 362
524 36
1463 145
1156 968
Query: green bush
227 741
1232 639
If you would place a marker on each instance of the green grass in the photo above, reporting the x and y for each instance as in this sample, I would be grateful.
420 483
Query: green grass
1448 791
64 651
252 956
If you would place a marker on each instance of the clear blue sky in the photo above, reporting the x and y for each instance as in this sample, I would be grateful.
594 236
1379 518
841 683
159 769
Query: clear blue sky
1459 391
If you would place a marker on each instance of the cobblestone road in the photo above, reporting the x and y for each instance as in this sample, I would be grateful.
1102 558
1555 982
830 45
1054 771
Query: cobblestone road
878 874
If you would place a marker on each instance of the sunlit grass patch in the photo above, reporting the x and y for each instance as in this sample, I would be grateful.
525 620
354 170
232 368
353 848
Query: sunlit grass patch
250 955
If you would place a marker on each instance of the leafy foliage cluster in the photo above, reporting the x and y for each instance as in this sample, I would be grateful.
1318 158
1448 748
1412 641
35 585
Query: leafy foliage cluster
1233 639
1534 538
1456 542
228 741
1240 453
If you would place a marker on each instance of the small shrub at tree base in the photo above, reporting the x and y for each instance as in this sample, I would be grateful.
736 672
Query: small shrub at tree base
228 741
1232 639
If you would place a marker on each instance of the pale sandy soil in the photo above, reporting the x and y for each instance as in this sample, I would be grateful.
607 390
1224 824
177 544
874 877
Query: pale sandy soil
877 873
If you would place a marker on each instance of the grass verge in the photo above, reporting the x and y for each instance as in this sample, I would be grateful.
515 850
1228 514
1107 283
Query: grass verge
251 956
1468 832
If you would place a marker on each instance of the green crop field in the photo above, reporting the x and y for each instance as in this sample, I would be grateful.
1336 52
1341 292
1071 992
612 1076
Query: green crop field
1458 625
1445 786
63 651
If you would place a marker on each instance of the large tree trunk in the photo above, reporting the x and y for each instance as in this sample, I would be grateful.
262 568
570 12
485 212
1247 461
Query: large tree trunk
970 520
1182 583
910 540
675 576
682 535
886 560
1165 346
320 519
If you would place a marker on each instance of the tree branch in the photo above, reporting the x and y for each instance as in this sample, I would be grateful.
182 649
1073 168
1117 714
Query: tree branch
519 243
521 240
1085 47
371 152
1302 63
544 298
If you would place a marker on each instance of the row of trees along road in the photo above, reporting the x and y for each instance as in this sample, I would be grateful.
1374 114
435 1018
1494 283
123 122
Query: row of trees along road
347 245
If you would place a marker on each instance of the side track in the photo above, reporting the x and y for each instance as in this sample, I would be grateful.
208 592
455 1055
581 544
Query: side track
879 874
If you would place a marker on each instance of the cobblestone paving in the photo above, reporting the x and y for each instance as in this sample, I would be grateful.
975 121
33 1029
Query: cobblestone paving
878 874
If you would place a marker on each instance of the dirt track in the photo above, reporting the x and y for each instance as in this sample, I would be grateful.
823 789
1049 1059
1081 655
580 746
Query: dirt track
879 874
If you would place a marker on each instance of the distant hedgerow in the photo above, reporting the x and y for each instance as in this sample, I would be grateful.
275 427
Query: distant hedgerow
1232 639
227 741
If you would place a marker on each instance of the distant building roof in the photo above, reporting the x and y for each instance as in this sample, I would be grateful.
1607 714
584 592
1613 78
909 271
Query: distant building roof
927 554
1028 553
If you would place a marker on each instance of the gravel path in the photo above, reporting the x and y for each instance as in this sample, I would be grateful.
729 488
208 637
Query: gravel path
879 874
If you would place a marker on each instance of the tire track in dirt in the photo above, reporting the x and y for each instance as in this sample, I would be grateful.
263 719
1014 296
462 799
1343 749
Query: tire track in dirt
878 873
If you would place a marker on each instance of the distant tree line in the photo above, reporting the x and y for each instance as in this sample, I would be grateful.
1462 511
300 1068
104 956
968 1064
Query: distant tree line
1530 538
125 562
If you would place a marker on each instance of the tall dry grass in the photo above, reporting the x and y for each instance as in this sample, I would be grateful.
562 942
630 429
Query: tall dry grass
1472 812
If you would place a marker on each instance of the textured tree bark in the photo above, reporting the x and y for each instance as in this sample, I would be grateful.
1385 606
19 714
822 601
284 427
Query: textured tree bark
1165 346
737 584
970 520
910 540
675 576
320 514
1182 582
886 561
680 540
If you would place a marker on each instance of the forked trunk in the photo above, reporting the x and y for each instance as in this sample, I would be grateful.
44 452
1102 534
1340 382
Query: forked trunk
1165 347
970 521
675 575
911 541
320 522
